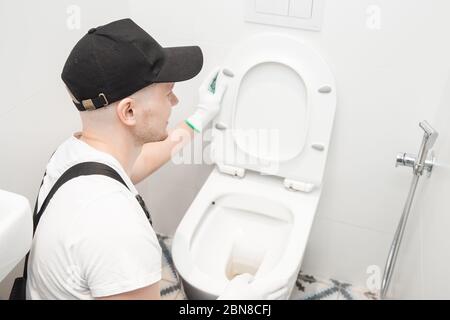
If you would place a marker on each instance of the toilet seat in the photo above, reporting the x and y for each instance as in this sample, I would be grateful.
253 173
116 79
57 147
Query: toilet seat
276 75
255 215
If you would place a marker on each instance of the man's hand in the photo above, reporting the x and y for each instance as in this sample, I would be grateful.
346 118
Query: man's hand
244 287
210 95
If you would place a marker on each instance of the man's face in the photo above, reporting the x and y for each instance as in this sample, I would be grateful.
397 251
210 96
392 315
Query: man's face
155 103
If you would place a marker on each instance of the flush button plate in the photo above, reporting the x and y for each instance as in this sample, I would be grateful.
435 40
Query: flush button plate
299 14
301 8
279 7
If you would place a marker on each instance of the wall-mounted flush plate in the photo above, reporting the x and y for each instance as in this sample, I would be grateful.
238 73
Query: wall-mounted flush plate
300 14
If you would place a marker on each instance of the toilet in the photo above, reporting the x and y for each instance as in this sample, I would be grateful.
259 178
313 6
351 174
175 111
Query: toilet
269 145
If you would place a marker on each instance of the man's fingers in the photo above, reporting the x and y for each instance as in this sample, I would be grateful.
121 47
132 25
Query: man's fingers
208 80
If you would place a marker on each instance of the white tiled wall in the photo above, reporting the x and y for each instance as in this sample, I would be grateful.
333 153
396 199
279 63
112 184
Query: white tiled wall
422 268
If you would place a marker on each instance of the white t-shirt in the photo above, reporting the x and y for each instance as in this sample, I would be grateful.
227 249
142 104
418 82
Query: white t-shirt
93 239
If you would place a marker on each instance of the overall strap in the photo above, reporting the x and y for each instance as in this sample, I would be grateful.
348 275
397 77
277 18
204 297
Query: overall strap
80 169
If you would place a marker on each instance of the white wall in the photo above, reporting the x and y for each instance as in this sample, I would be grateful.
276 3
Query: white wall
387 81
422 267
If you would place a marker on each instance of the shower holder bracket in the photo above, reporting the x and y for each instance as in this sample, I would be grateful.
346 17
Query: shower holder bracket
410 160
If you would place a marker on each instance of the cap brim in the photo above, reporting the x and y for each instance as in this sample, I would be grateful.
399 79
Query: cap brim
181 63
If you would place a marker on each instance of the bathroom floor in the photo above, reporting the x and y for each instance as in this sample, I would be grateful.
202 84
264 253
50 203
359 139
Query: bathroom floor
307 287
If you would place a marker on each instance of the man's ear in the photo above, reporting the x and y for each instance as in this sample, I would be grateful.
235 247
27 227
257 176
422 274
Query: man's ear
126 111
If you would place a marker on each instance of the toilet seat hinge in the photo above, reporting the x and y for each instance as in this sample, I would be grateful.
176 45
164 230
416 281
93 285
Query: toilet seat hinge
298 185
231 170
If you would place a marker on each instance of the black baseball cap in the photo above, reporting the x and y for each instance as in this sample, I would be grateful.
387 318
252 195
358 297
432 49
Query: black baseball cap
113 61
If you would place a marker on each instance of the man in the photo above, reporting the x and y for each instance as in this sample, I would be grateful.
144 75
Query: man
93 240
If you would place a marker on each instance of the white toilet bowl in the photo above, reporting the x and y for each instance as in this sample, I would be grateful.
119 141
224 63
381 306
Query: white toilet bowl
255 211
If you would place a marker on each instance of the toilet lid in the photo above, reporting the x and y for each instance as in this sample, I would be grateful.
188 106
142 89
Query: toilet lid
278 110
